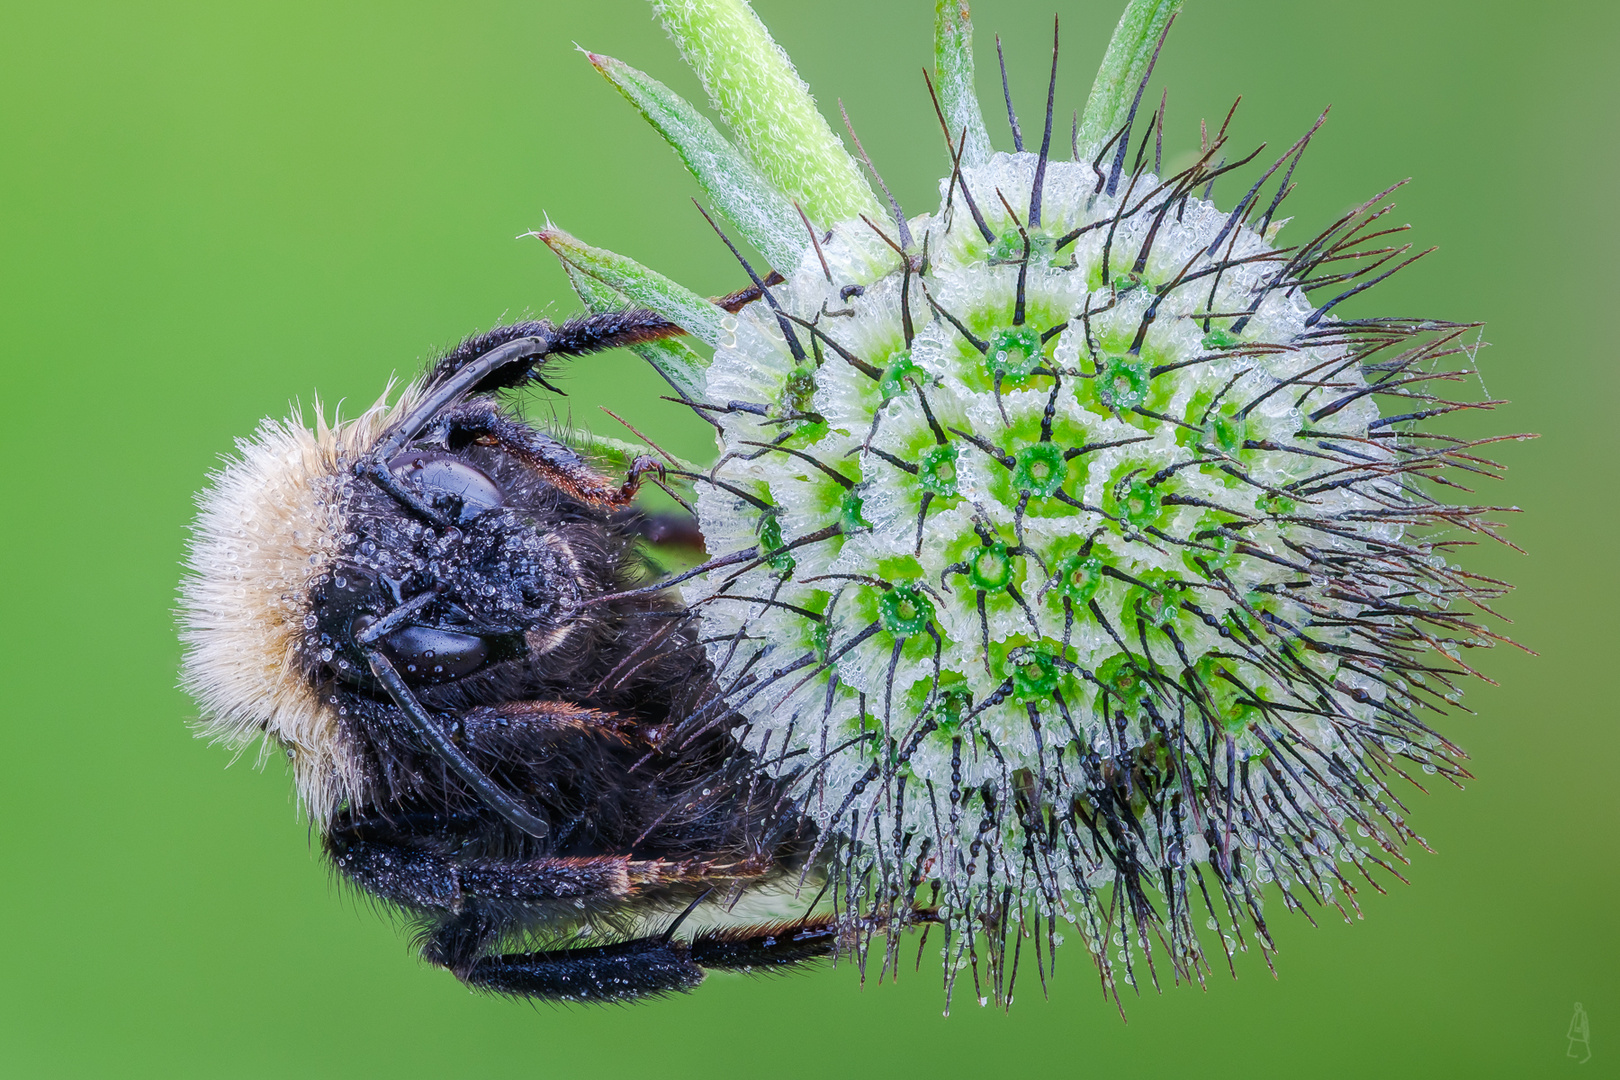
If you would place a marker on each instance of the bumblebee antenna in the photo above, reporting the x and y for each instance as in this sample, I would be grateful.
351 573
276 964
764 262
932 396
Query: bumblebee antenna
493 797
481 365
457 385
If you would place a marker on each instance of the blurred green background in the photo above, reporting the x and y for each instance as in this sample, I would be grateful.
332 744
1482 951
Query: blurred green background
207 209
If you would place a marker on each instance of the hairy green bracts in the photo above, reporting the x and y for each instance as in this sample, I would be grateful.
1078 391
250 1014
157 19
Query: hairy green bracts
1087 569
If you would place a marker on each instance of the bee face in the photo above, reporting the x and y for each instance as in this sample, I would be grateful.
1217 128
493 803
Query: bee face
441 644
444 604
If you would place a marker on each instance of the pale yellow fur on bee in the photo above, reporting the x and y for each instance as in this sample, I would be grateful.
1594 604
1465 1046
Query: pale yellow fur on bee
268 524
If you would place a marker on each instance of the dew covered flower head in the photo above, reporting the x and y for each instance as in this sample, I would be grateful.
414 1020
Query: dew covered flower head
1086 567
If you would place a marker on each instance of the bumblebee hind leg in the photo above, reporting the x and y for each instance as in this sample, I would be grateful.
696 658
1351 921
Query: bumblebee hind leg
626 970
474 902
623 971
767 947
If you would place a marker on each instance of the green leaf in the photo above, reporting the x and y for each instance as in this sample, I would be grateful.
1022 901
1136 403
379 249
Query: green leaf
753 84
646 288
1124 64
680 364
734 184
953 79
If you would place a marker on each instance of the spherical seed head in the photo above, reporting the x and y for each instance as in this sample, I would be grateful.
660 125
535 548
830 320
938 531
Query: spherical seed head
1108 565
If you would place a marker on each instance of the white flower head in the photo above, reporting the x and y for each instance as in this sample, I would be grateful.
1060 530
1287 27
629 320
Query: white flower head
1076 557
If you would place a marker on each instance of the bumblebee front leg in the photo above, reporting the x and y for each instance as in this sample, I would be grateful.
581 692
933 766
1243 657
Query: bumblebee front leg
480 420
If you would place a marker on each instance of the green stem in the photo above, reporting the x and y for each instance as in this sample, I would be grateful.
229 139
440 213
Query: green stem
753 84
953 80
1130 51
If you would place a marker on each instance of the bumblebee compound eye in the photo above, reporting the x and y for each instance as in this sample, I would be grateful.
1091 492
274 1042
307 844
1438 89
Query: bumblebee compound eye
449 483
427 655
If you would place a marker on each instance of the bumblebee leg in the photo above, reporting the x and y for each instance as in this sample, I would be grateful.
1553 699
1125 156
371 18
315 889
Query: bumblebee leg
747 948
578 336
476 900
414 876
618 972
623 971
671 529
508 357
626 970
424 880
485 362
480 420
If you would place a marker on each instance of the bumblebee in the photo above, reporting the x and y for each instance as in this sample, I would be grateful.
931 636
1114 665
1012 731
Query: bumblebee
438 612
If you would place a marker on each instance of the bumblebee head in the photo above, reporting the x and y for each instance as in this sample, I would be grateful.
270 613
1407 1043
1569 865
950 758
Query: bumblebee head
428 555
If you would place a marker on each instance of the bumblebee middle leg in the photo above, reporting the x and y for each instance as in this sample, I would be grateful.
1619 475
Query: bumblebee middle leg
429 881
665 529
415 875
